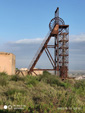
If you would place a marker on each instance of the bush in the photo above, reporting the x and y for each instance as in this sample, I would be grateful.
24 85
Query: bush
46 94
13 91
3 74
53 80
48 78
79 87
17 78
80 84
31 80
3 79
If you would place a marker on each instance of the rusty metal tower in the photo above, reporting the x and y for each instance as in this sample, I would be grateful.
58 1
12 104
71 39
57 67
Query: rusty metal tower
60 32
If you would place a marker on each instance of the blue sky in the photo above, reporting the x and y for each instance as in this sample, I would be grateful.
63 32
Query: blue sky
29 19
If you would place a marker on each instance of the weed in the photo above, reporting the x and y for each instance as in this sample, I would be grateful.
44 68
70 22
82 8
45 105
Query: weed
17 78
42 94
31 80
3 79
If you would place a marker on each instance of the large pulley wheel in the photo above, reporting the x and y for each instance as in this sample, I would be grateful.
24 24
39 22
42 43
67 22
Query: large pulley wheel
56 21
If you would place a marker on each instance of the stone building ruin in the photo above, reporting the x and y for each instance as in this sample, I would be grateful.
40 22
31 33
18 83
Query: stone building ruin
7 63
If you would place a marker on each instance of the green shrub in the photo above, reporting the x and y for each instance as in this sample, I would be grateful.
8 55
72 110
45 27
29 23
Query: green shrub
3 79
79 87
17 78
48 78
42 94
31 80
3 74
80 84
7 111
13 91
53 80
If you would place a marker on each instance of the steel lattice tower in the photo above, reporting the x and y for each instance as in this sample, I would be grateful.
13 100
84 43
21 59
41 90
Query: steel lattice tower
60 32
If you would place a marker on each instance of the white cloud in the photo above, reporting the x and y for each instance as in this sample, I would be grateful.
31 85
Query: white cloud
28 41
77 38
72 38
25 49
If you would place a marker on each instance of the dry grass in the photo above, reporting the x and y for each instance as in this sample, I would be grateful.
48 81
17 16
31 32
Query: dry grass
42 94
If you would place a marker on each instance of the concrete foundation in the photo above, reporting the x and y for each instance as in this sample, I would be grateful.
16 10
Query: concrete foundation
7 63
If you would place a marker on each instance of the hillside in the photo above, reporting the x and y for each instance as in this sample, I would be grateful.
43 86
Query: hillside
41 94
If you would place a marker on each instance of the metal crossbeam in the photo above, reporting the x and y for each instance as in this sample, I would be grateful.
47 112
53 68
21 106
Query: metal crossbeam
49 58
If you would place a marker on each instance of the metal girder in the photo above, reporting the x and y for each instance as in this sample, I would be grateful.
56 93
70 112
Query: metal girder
50 58
50 55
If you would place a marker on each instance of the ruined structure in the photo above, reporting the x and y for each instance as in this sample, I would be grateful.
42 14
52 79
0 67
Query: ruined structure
60 32
7 63
24 72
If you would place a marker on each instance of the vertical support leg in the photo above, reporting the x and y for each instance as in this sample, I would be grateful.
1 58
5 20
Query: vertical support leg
58 55
55 53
